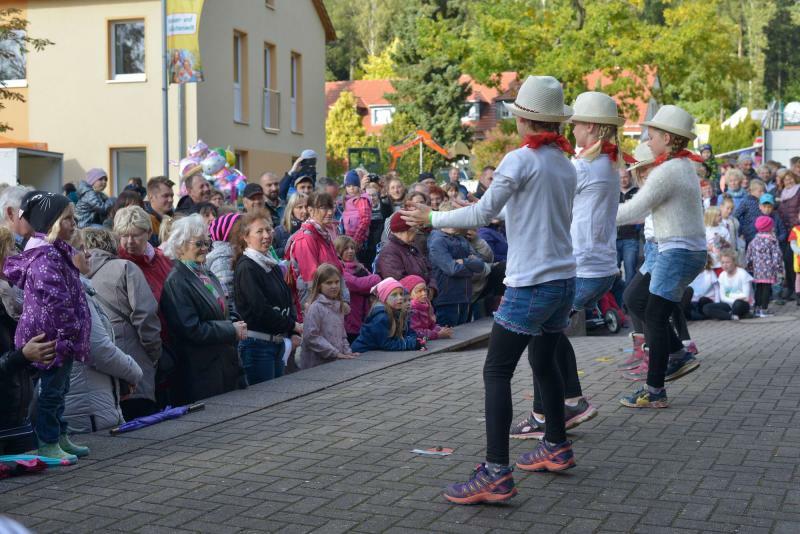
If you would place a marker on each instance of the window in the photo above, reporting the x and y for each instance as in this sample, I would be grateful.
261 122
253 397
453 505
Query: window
380 115
241 161
472 111
127 163
13 67
127 51
297 92
502 112
271 99
239 82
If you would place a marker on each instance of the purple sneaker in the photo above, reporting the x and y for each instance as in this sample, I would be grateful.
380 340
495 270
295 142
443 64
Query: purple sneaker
545 457
482 487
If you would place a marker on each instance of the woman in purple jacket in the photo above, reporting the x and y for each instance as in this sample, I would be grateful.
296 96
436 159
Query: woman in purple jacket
54 304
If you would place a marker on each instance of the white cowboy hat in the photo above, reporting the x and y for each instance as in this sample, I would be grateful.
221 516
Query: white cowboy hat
597 108
643 156
674 120
541 99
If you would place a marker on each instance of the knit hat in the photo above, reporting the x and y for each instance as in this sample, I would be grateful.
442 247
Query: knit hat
385 287
397 224
411 281
426 176
251 190
706 147
764 223
43 209
352 178
766 198
220 228
94 175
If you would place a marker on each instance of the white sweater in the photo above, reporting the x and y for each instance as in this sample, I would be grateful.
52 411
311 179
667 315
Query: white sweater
672 194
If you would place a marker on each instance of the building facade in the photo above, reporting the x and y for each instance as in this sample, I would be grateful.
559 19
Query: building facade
96 94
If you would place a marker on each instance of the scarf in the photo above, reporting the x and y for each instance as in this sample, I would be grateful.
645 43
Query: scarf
266 261
202 274
548 138
666 156
321 230
611 150
789 192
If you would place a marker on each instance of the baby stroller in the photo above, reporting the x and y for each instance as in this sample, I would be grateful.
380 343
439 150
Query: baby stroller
607 314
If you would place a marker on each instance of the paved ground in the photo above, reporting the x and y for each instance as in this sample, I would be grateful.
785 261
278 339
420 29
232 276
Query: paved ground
722 458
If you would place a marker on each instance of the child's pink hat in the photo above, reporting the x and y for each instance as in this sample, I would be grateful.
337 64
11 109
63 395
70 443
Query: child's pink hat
764 223
385 287
411 281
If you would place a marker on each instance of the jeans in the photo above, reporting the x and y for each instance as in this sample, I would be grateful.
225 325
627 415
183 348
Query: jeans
532 310
262 360
589 290
53 388
673 271
452 314
650 256
628 255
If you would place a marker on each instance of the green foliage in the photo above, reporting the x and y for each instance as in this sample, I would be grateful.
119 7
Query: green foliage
782 62
14 36
380 67
727 139
491 150
343 129
427 63
408 164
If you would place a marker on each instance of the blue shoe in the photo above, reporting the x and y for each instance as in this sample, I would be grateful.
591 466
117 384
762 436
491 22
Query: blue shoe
680 367
545 457
642 398
482 487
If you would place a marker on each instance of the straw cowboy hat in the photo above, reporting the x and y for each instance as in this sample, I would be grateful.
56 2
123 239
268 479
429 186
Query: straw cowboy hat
597 108
541 99
674 120
643 156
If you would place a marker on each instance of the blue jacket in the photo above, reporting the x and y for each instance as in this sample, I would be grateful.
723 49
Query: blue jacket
747 213
496 240
453 280
374 333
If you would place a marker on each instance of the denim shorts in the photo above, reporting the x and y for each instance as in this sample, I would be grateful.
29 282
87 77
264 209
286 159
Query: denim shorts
532 310
673 271
650 255
589 290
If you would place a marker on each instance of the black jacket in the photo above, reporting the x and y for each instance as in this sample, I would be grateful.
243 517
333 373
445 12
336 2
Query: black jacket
201 335
263 299
16 378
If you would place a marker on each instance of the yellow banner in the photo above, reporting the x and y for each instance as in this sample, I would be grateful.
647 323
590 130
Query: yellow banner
183 46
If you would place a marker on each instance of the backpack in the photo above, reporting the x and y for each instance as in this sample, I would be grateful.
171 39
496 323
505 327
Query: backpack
351 217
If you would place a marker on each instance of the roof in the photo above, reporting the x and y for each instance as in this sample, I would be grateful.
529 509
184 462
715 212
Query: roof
330 31
641 104
484 93
368 93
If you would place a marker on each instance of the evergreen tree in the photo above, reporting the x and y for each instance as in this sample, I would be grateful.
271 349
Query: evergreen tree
428 64
782 69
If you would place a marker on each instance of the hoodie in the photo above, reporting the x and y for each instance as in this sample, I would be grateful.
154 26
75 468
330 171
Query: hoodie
54 302
92 207
374 334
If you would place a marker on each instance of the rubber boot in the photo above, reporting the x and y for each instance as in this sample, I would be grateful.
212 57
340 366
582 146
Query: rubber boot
53 450
637 356
78 450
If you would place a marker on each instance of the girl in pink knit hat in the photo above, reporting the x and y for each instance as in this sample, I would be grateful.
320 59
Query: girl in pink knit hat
765 263
387 325
423 320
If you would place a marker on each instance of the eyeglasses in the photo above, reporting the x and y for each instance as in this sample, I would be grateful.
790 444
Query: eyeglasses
202 244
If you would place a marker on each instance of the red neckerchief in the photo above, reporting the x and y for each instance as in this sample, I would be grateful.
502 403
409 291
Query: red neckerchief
682 154
610 149
548 138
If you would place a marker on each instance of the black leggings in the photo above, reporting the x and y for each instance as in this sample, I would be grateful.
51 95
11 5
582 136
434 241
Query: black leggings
568 367
723 311
763 292
634 294
505 349
659 334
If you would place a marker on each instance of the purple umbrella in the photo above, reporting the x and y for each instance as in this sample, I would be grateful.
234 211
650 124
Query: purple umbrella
167 413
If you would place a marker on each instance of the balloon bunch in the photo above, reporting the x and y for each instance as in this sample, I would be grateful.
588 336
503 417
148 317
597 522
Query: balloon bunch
218 166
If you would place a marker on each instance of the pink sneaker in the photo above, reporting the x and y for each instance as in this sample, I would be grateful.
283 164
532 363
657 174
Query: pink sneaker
691 347
639 373
639 353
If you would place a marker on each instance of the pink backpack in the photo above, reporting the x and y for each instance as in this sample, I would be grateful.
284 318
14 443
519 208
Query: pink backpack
351 218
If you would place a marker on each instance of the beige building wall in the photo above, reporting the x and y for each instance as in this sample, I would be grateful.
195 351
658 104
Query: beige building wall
292 26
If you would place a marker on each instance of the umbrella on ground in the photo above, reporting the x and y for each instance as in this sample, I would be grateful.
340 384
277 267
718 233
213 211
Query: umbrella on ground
167 413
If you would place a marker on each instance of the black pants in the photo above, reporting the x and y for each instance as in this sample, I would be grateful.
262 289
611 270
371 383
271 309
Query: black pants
788 264
723 311
658 332
568 367
679 317
505 349
763 292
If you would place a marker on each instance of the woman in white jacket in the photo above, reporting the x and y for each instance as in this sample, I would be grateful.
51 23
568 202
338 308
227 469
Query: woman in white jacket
92 402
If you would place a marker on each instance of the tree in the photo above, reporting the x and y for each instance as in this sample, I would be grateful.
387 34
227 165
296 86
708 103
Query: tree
782 62
427 61
343 130
380 67
14 47
727 139
491 150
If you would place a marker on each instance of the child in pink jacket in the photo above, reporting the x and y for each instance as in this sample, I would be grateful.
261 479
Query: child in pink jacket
423 320
359 281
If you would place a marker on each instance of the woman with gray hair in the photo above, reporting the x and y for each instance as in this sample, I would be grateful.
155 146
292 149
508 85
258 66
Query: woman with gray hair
122 290
202 333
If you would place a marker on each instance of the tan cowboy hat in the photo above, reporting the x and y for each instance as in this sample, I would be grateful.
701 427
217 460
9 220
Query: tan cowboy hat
643 156
541 99
674 120
597 108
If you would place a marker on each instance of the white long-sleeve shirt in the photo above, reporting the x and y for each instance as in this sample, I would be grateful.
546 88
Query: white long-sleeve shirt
705 285
736 287
536 188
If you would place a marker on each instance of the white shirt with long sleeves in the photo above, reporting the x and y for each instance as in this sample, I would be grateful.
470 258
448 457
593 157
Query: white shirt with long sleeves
705 285
736 287
536 188
594 215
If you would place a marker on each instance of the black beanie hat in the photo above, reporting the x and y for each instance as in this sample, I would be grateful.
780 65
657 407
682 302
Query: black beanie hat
43 209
